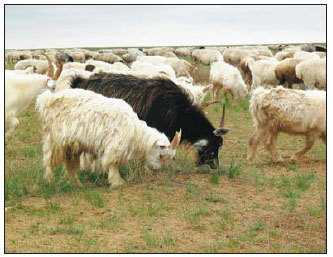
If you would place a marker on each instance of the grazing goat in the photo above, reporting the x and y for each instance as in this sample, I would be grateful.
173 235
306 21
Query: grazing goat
77 121
21 90
164 106
291 111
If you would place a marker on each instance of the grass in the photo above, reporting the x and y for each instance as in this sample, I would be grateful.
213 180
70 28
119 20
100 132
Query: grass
259 207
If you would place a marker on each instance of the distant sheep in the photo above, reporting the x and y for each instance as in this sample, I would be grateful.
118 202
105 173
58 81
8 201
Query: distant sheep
41 66
263 73
313 73
305 55
183 51
285 72
235 55
148 68
206 56
228 78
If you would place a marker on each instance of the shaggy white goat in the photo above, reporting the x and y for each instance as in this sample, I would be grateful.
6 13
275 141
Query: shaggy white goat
228 78
291 111
77 121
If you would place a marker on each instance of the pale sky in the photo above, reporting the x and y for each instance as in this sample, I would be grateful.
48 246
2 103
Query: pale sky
50 26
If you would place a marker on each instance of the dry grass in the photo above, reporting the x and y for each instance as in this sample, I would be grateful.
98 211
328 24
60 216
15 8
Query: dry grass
261 207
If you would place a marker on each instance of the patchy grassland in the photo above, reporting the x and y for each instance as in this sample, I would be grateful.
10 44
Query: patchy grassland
244 207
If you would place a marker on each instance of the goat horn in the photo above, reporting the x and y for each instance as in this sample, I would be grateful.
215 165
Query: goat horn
176 139
222 120
204 105
51 70
59 69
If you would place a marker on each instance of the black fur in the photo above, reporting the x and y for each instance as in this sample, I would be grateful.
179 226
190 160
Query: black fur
163 105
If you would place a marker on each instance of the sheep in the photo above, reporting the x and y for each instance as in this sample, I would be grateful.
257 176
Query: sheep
20 91
78 56
313 73
100 65
305 55
148 68
108 57
41 65
235 55
158 51
180 67
12 56
183 51
64 57
308 48
263 73
119 66
228 78
265 52
132 55
243 66
285 72
295 112
28 70
119 51
320 54
283 55
206 56
77 121
75 65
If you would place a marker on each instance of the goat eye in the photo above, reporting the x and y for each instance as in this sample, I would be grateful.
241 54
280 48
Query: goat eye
161 156
173 158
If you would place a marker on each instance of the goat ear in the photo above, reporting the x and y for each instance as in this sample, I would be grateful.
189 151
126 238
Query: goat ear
207 88
221 131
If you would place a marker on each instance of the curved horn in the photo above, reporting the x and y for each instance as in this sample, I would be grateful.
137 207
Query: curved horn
176 139
204 105
59 69
51 70
222 120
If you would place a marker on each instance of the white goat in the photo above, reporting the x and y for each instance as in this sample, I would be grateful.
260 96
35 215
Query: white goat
228 78
21 90
291 111
77 121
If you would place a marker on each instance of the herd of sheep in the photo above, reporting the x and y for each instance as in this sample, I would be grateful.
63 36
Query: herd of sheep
103 108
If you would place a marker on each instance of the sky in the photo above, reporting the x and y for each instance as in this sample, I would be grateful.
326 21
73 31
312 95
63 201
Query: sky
50 26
